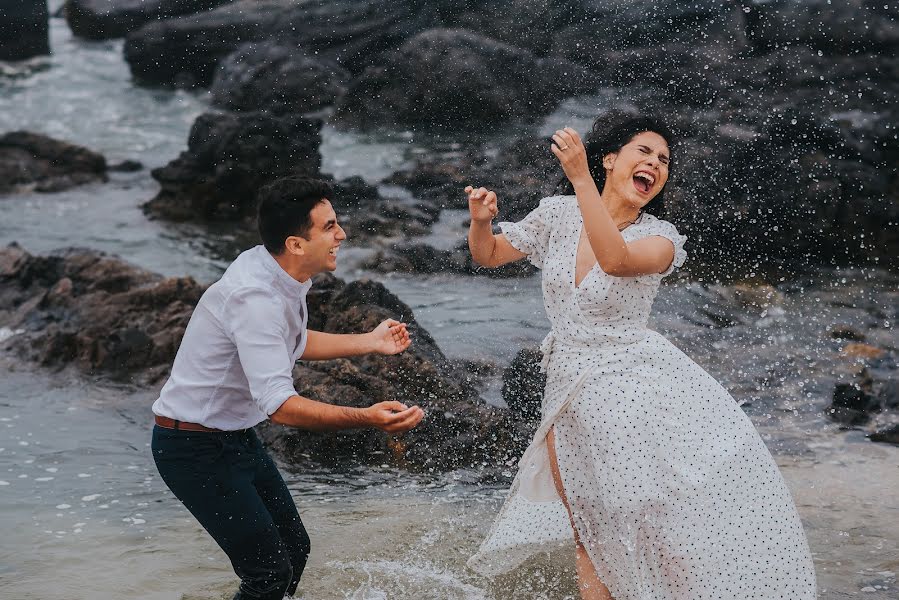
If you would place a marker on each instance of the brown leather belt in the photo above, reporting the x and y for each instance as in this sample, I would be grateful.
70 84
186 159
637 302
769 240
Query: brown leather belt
176 425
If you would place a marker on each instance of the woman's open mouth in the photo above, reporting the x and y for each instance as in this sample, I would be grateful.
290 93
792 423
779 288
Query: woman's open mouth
643 181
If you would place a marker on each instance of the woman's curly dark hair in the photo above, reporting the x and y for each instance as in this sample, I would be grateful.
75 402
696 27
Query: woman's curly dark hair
610 133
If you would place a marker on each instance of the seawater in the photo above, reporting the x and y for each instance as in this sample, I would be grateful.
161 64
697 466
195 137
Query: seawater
84 514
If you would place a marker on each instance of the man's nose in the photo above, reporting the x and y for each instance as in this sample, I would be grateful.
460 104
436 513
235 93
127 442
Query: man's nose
341 233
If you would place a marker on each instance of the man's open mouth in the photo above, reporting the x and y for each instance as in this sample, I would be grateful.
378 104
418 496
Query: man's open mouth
643 181
333 251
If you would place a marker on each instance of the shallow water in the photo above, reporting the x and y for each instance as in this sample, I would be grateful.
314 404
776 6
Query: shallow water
85 515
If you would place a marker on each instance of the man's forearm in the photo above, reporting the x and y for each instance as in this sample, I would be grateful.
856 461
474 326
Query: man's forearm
306 413
325 346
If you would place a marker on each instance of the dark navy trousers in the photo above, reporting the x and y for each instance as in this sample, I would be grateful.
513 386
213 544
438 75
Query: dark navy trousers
231 486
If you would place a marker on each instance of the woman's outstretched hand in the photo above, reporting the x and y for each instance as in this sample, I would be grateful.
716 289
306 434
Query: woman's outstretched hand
481 204
572 155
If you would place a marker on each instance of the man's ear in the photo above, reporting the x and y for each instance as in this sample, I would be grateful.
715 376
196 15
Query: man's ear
295 245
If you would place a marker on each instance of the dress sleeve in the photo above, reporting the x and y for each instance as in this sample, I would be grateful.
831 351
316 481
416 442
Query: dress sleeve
669 231
252 319
531 234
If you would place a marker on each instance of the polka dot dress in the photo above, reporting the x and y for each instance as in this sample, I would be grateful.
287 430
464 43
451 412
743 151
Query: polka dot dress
673 493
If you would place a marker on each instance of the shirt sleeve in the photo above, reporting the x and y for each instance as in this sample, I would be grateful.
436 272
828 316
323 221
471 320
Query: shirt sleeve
531 234
254 321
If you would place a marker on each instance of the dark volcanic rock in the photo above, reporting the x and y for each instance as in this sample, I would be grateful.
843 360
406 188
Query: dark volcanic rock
834 27
524 384
95 311
109 318
624 25
102 19
47 165
185 51
278 78
229 157
453 77
24 29
422 258
521 172
459 429
530 24
867 393
887 435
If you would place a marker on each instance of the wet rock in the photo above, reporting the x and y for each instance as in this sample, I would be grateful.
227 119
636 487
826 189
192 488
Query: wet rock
524 384
24 29
861 351
846 332
609 32
34 161
278 78
533 25
459 429
95 311
425 259
887 435
521 172
112 319
867 393
185 51
127 166
841 28
458 78
102 19
854 402
229 157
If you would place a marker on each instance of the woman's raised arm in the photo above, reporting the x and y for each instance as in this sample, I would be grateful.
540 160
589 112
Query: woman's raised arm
487 249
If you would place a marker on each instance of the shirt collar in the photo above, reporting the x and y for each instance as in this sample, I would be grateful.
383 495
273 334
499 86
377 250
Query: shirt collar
287 283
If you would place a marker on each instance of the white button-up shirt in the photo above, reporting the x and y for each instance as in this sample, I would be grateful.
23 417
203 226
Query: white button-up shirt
234 366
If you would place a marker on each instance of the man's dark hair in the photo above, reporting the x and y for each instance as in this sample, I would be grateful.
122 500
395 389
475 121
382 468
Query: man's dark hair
610 133
284 209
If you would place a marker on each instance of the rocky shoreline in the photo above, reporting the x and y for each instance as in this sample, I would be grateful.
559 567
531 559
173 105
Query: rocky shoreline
785 110
787 161
113 320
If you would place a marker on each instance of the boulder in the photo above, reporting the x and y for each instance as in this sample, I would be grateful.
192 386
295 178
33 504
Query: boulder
458 430
34 161
185 51
425 259
229 157
846 27
103 19
524 384
111 319
623 25
278 78
94 311
24 29
458 78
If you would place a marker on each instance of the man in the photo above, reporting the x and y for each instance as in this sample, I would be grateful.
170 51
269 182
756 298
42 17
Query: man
233 371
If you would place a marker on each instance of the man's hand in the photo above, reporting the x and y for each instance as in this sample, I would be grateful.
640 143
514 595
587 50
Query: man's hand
394 417
390 337
481 204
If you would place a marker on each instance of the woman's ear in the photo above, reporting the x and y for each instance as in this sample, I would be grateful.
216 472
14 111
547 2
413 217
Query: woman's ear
608 161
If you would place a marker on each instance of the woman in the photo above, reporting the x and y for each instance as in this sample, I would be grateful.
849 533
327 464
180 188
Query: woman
667 488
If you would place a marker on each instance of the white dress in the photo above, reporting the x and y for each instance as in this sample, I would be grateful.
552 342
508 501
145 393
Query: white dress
673 492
